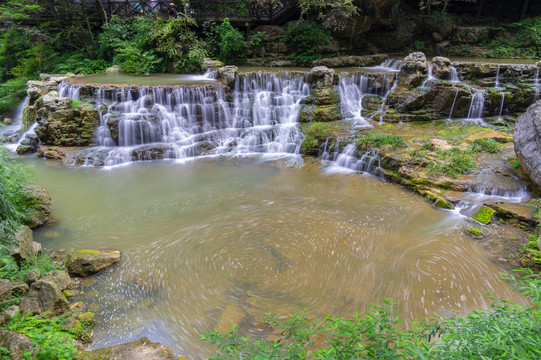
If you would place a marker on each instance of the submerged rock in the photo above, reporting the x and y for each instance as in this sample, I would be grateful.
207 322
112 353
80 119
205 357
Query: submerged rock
142 349
527 140
88 262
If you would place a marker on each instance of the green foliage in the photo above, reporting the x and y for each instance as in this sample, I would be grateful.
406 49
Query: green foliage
12 272
484 215
486 145
232 43
520 39
11 94
80 63
387 141
454 162
52 339
15 200
306 40
506 331
531 255
474 232
333 15
257 42
134 60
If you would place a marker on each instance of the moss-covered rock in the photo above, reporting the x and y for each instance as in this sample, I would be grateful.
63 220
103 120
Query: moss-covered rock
88 262
142 349
474 231
326 113
484 215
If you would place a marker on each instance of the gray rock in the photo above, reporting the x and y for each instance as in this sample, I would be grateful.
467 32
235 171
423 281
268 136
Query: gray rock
527 141
88 262
413 71
115 69
52 102
28 145
17 344
32 276
322 77
142 349
228 74
26 246
8 288
41 209
30 306
48 297
12 310
60 278
441 67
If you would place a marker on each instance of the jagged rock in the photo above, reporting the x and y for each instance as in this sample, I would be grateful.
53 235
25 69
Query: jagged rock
26 246
523 212
34 90
88 262
211 64
32 276
527 141
47 296
60 278
413 71
322 77
17 344
7 288
115 69
228 74
28 145
42 207
142 349
441 67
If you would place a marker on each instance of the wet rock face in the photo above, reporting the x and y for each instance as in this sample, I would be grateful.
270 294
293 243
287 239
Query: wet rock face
527 140
441 67
413 71
228 74
322 77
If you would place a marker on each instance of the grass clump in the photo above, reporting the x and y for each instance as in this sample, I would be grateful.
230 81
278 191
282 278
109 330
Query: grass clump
474 232
388 141
316 133
454 163
485 145
506 331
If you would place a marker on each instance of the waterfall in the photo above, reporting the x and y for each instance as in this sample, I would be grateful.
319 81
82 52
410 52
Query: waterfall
352 90
347 161
390 65
189 121
536 85
497 82
11 132
484 194
384 100
453 74
429 78
453 106
475 113
66 89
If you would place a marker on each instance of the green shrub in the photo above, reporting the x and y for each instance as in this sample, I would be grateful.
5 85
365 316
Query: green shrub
454 162
306 40
232 43
388 141
11 94
79 63
133 60
486 145
12 272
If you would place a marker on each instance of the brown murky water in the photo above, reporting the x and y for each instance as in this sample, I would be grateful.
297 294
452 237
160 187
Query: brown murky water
249 237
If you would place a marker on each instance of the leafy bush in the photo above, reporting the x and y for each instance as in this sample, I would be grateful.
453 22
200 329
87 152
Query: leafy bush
486 145
388 141
79 63
520 39
306 40
43 262
134 60
11 94
232 43
531 255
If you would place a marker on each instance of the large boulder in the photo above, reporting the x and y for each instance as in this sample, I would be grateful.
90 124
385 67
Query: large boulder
527 140
26 246
115 69
322 77
7 289
142 349
211 64
17 344
88 262
228 74
28 145
42 207
60 278
413 71
45 296
442 68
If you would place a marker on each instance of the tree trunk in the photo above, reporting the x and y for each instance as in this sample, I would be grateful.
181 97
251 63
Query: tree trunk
104 12
480 8
445 6
524 8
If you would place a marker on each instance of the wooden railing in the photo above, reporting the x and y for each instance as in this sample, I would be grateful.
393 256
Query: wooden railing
201 10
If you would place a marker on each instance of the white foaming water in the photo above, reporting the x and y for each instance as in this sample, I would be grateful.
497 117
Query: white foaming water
429 77
353 89
453 106
501 106
453 75
536 85
16 124
388 65
482 194
348 162
180 122
475 113
497 82
31 131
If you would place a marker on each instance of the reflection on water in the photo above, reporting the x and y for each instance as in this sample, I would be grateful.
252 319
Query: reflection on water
198 237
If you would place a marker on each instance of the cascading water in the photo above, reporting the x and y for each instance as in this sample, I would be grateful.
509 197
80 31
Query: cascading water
453 74
475 113
390 65
429 78
352 90
497 82
12 132
187 121
453 106
536 86
501 105
347 161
